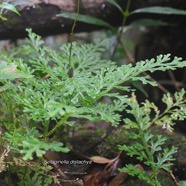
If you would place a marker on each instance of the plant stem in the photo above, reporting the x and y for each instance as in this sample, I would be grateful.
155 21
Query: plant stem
46 127
126 14
62 121
71 39
146 146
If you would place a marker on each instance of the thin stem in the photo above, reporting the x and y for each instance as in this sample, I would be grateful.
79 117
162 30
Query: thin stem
174 82
46 127
62 121
71 38
146 146
125 16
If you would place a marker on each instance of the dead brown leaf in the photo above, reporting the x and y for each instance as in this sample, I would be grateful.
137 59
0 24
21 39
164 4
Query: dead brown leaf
118 179
100 160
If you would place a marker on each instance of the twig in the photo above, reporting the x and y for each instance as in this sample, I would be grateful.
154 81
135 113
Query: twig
174 82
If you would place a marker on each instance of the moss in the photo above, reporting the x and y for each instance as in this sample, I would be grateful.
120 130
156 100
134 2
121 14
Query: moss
120 136
109 147
86 142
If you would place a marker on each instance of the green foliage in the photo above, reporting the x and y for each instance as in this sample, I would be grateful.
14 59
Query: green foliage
126 14
160 10
54 94
28 143
86 19
146 147
73 84
32 177
45 91
10 71
182 183
175 110
10 5
113 2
